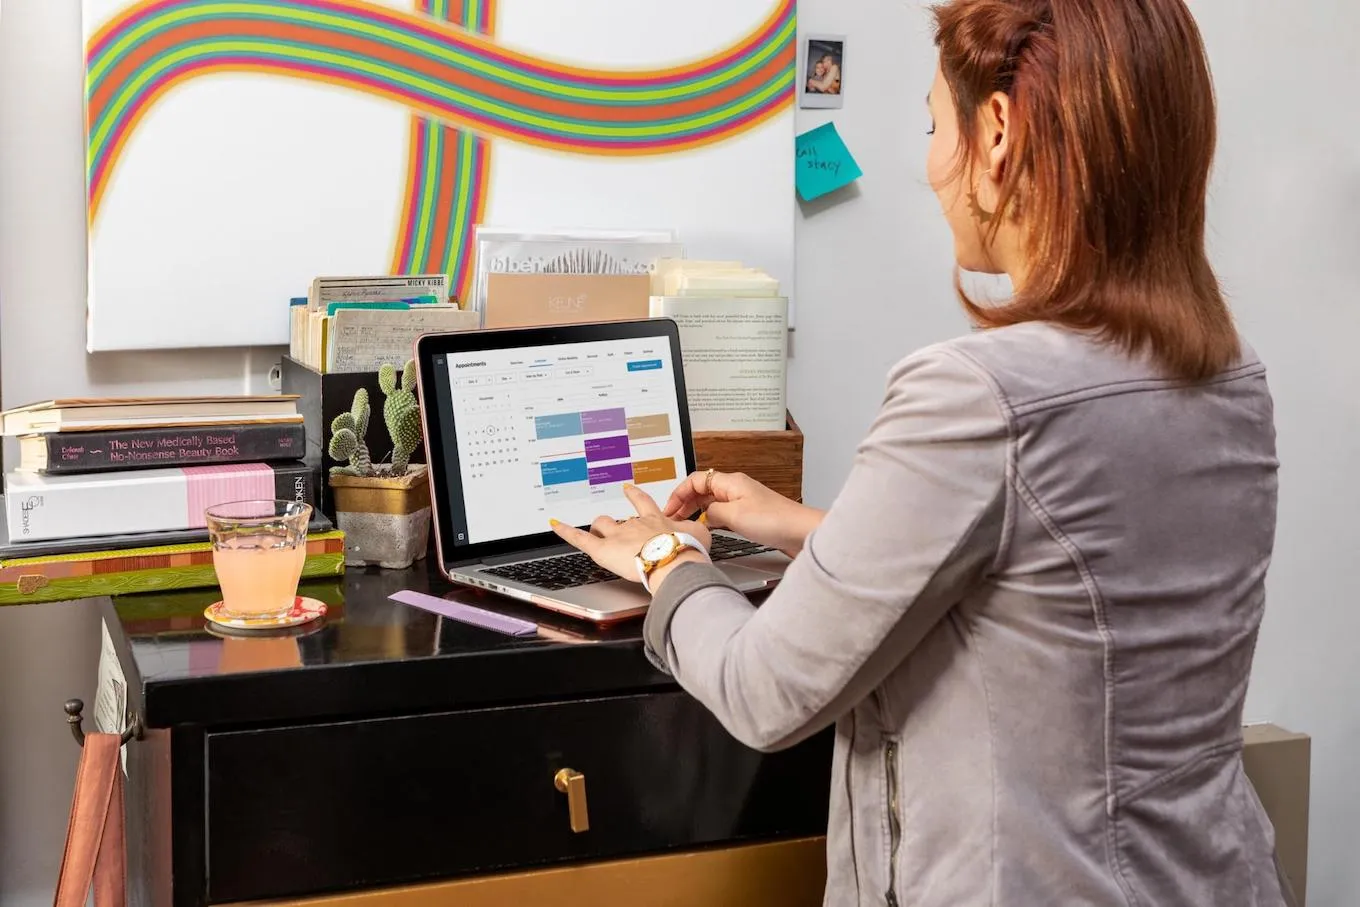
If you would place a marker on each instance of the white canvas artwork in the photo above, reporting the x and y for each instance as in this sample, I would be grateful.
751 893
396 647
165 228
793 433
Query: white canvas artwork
238 150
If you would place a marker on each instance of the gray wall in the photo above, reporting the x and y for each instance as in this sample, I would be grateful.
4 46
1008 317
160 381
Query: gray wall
874 283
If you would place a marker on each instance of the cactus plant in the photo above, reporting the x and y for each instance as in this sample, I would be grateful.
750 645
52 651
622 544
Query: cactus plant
347 438
401 413
376 533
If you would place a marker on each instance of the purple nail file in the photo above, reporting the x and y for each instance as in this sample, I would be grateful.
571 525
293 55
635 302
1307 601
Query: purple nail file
477 617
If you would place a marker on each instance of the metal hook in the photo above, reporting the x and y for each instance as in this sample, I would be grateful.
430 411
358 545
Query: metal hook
74 707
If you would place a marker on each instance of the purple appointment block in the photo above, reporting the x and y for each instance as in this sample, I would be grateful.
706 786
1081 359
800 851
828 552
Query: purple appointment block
611 448
603 420
609 475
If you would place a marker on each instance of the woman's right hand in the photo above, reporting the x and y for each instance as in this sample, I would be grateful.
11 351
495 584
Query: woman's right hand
737 502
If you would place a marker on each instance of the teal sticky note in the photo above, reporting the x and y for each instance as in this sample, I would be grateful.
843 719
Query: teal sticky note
823 163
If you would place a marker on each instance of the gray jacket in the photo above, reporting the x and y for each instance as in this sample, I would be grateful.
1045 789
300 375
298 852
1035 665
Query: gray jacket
1030 614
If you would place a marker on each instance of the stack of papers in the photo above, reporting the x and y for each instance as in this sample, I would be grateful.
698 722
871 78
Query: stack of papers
356 324
681 277
733 340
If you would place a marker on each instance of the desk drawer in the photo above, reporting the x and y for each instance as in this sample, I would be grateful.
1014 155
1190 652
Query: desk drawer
359 804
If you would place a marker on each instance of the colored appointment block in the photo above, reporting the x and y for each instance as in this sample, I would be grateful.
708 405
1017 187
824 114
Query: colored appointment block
614 447
642 427
564 425
646 471
563 472
602 420
611 474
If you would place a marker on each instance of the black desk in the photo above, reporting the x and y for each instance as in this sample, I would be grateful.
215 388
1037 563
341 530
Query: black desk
388 746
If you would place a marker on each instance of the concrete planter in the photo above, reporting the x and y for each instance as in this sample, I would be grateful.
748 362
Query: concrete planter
386 520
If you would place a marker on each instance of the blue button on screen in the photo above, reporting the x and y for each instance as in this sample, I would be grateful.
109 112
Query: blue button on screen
644 365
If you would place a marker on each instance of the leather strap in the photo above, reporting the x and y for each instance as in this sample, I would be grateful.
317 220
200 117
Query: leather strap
96 849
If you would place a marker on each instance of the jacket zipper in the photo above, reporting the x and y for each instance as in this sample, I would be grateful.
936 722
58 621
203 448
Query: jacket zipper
894 823
850 801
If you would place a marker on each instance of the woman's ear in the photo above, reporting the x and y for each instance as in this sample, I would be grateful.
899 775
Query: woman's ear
995 139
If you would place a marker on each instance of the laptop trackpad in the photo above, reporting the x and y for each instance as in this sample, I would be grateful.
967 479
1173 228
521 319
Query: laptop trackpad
747 579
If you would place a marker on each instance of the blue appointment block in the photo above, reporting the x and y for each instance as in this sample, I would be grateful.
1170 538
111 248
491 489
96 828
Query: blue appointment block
564 425
564 472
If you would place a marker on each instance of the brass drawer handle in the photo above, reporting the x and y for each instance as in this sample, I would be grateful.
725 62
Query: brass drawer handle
573 784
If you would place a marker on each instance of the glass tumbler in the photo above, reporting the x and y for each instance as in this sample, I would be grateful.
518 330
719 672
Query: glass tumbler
258 551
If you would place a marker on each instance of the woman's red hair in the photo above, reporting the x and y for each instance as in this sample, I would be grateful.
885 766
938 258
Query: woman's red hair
1112 131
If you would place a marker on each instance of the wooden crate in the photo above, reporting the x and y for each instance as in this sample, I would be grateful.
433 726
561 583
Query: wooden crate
773 458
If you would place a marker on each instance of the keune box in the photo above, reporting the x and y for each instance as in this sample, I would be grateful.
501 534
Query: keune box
528 300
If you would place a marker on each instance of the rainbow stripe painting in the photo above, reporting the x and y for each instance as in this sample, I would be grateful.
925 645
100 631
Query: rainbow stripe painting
239 148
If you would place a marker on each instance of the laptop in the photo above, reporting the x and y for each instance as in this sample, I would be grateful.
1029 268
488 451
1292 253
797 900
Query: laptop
526 425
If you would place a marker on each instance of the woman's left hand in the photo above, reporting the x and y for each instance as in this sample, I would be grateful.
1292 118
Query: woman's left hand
614 544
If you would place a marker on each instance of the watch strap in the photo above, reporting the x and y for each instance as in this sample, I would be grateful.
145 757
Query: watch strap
688 541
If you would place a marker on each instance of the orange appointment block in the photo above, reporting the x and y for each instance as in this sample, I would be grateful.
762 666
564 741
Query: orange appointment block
648 471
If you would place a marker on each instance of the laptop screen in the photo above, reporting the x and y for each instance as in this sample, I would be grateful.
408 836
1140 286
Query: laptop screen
554 431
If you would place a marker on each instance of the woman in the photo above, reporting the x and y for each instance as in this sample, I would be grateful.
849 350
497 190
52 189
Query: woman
818 70
826 77
1031 611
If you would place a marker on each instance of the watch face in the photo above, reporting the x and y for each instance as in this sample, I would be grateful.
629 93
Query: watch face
658 548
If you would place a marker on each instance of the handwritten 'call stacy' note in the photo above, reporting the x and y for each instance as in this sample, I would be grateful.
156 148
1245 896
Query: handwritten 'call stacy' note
824 164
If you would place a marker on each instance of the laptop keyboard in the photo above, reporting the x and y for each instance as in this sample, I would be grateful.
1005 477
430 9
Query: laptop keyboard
552 573
569 571
726 547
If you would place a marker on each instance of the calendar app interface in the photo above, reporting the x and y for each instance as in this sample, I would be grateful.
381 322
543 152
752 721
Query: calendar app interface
555 432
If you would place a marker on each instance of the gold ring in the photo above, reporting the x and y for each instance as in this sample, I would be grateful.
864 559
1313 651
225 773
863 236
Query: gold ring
708 481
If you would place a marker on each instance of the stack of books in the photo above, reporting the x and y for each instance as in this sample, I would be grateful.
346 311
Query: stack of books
109 494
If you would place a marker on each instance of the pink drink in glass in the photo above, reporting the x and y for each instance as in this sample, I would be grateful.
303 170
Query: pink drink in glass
258 552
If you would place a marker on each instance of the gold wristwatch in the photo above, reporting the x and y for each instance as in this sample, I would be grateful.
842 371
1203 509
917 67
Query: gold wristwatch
660 550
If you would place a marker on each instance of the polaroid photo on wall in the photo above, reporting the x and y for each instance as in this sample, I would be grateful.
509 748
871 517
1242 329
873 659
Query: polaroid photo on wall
821 74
